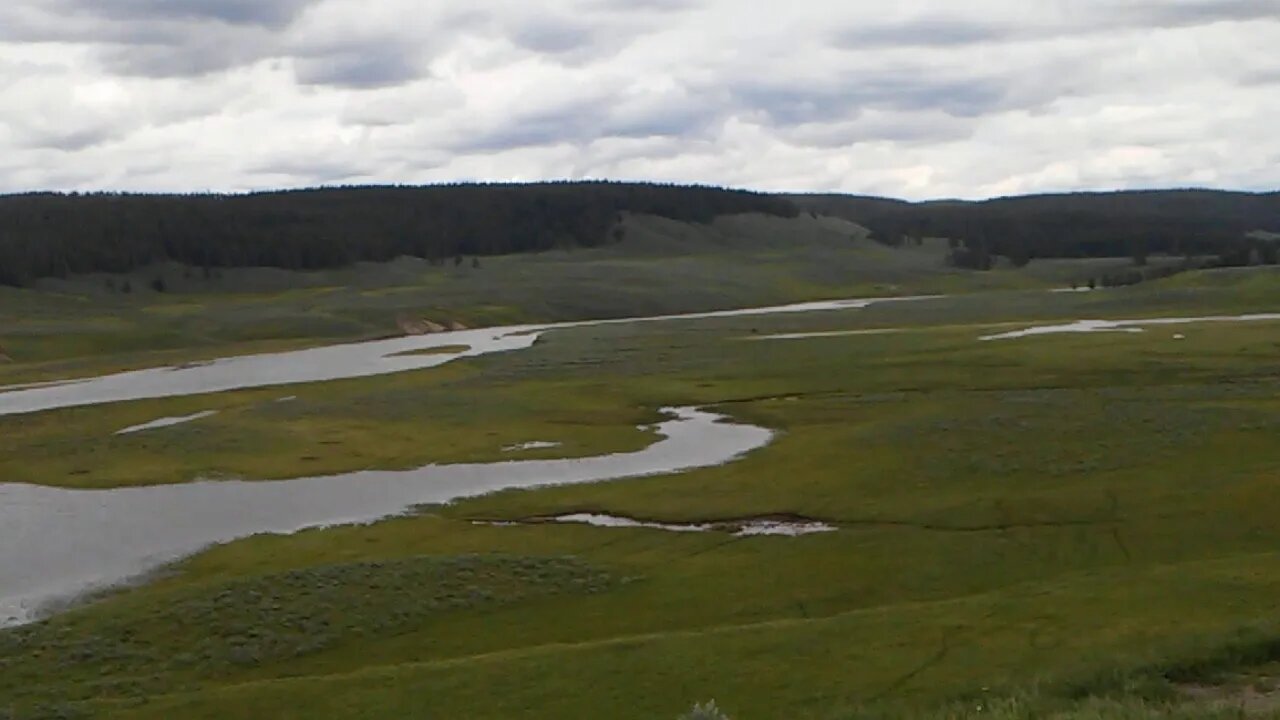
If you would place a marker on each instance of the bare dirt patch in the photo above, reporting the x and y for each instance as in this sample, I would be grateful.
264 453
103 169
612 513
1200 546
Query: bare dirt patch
1255 693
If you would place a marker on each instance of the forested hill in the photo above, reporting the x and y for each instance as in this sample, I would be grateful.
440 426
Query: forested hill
44 235
1200 222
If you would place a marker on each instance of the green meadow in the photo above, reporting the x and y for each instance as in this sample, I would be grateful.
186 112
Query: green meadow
87 324
1072 526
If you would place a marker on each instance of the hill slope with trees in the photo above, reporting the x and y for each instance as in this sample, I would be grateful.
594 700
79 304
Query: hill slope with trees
57 235
1114 224
54 235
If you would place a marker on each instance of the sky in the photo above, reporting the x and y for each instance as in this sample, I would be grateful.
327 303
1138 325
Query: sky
915 99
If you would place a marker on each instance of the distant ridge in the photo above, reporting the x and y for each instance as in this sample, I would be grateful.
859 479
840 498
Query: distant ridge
56 235
50 234
1086 224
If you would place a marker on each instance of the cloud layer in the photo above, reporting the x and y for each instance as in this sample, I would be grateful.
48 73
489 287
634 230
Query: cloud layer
922 98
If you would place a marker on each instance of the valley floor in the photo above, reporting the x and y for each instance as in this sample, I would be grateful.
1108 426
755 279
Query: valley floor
1069 525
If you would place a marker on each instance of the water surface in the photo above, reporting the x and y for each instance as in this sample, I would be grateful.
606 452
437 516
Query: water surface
56 543
1126 326
754 527
334 362
165 422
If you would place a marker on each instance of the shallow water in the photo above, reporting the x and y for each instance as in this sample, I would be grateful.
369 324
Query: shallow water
532 445
167 422
612 521
334 362
1126 326
828 333
352 360
740 528
56 544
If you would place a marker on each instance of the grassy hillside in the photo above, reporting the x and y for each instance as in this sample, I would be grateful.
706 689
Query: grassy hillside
1071 524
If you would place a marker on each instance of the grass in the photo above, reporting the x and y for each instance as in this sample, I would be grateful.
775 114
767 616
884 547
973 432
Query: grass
78 326
1061 526
272 618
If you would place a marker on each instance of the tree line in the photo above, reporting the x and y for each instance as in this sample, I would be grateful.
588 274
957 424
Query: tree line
55 235
1116 224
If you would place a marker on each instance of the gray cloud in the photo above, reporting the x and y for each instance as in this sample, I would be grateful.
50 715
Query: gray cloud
186 54
178 42
1192 13
68 140
631 7
361 68
576 40
922 98
1087 18
923 32
568 123
311 170
584 122
552 36
689 120
800 102
267 13
610 111
1267 76
908 129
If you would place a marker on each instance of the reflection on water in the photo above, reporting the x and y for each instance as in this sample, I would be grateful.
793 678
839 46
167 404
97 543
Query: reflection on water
352 360
754 527
56 543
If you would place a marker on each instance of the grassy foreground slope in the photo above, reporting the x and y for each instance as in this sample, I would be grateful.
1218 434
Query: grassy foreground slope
1069 523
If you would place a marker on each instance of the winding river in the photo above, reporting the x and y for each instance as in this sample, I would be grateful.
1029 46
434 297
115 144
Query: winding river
57 544
334 362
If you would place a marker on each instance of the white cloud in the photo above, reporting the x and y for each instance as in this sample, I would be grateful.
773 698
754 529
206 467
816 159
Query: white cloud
922 98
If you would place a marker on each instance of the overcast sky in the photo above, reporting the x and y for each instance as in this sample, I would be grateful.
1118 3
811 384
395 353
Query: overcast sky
924 98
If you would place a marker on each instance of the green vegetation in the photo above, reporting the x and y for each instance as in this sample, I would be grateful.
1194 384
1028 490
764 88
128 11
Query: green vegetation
46 234
1071 526
79 326
1236 227
54 235
272 618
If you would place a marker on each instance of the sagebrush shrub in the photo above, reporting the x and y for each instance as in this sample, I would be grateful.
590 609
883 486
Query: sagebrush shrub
707 711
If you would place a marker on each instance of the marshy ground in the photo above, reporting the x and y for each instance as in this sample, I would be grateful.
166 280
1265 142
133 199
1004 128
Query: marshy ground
1075 526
